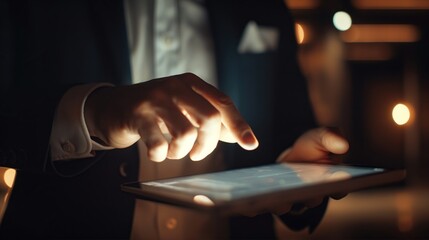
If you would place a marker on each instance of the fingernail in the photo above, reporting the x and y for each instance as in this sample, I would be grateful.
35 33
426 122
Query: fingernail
157 159
196 157
340 145
248 136
250 139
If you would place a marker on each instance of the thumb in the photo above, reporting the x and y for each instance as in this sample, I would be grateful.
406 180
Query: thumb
316 145
332 141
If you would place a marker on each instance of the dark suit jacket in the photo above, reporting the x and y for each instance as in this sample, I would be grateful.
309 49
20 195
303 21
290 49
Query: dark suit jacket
48 46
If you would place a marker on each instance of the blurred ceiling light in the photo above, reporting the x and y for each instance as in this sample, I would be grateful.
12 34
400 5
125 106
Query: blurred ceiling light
342 21
302 4
9 177
391 4
369 52
382 33
299 32
401 114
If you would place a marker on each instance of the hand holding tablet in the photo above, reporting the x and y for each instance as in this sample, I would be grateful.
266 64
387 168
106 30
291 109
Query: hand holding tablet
320 145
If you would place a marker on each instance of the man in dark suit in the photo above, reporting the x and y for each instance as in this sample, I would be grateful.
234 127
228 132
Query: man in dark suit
48 47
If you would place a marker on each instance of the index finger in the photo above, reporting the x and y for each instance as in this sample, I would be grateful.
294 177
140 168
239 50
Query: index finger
230 116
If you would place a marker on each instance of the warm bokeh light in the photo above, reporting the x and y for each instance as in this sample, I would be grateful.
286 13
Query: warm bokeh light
381 33
342 21
391 4
369 52
9 177
404 203
203 200
302 4
299 32
171 223
401 114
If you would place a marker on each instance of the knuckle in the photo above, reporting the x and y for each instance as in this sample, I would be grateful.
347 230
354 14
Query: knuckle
172 83
144 108
190 78
156 144
188 132
177 151
172 87
190 75
215 116
211 120
226 100
157 95
155 102
240 125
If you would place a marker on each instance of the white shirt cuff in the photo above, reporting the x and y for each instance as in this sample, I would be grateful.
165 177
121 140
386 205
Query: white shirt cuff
70 136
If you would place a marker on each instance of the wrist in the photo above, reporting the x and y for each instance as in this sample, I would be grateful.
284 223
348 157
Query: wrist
70 137
94 107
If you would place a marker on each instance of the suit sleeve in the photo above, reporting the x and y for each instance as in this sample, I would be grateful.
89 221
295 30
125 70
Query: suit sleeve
25 113
28 100
26 116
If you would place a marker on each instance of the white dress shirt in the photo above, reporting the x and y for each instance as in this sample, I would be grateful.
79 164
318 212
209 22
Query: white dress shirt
168 37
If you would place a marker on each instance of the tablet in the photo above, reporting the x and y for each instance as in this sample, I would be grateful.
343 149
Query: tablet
238 191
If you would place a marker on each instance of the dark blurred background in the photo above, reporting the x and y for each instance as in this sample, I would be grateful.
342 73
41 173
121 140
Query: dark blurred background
366 62
362 58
